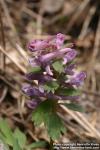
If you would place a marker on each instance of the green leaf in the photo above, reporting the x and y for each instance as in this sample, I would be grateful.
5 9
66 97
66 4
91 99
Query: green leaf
35 69
58 66
54 125
16 145
46 113
68 91
74 107
51 86
2 137
6 131
38 144
16 140
44 107
21 138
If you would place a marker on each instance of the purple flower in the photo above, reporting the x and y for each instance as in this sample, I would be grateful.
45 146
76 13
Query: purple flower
32 104
31 91
34 62
69 69
38 45
54 42
41 89
60 40
78 79
48 70
38 76
56 54
69 56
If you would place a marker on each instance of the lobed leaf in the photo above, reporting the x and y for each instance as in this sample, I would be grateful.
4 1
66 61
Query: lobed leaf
46 113
54 125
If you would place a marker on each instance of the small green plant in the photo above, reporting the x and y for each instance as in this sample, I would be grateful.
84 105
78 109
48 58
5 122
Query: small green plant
53 80
16 139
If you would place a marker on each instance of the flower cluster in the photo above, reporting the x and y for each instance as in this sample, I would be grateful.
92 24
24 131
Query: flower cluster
53 70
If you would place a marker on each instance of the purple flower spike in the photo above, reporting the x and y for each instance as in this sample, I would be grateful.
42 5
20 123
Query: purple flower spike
52 69
32 104
69 56
37 45
78 79
60 40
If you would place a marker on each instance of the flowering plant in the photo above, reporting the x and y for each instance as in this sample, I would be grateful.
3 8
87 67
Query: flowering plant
56 82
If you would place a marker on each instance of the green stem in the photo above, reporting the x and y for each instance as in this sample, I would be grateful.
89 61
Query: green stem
51 144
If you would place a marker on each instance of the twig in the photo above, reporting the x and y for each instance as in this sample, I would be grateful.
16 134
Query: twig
83 122
17 47
94 53
93 130
3 41
32 135
69 125
3 93
76 15
39 24
76 118
7 14
22 52
9 19
93 83
30 12
8 83
91 93
97 42
12 60
86 22
58 17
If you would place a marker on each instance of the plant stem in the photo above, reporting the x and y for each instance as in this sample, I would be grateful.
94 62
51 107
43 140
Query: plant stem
51 144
